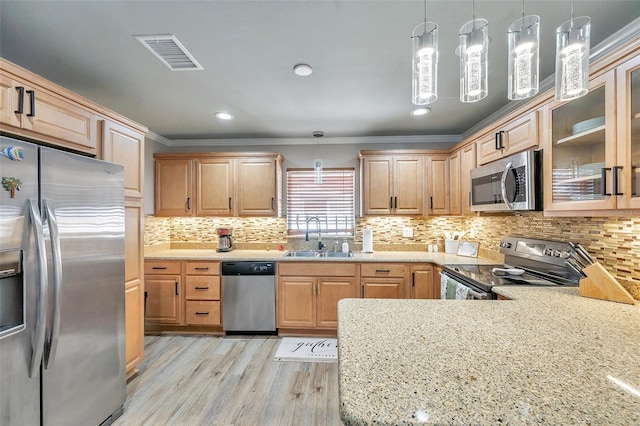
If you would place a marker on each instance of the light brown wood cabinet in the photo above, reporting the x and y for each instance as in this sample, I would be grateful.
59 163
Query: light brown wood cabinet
202 293
513 137
461 163
437 181
383 280
423 283
164 294
308 293
392 185
593 168
218 184
33 107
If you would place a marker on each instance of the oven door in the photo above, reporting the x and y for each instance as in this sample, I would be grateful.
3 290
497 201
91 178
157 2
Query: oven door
454 288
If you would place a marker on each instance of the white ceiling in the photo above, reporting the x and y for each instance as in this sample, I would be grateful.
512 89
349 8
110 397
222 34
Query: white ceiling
360 52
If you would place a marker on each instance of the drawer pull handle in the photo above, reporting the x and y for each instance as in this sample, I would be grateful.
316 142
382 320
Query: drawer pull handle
202 313
383 271
202 288
159 267
202 269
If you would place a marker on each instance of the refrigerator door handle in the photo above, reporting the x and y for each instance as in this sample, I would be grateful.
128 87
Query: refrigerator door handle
38 344
56 257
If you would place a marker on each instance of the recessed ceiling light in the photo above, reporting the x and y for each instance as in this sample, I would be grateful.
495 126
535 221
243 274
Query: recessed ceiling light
420 111
223 116
302 70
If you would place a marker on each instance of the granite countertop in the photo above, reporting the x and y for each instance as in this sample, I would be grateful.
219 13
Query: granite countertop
275 255
547 357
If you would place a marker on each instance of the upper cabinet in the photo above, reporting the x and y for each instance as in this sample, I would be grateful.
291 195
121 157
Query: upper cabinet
515 136
125 146
33 107
438 189
392 184
592 144
218 184
460 164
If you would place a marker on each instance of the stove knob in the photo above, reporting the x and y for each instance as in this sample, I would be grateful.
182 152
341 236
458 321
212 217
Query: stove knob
565 255
548 252
556 253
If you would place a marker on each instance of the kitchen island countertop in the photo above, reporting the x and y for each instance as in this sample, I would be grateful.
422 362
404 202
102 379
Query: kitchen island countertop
547 357
276 255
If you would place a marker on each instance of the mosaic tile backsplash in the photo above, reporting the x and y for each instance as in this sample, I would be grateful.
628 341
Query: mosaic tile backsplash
614 241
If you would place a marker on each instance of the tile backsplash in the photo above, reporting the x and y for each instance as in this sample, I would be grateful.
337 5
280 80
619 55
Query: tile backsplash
614 241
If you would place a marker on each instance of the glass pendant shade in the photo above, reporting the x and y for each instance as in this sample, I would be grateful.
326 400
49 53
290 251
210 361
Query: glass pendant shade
524 53
425 64
317 171
573 39
474 55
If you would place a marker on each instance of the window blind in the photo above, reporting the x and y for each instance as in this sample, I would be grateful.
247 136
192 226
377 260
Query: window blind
332 201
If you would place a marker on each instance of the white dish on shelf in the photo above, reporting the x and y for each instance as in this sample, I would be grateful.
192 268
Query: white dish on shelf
585 125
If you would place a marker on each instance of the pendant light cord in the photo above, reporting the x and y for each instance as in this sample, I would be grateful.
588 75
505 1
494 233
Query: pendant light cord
572 10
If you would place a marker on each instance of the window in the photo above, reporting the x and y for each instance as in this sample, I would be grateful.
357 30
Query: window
332 201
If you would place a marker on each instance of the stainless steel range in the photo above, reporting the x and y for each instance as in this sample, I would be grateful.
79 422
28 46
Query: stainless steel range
527 262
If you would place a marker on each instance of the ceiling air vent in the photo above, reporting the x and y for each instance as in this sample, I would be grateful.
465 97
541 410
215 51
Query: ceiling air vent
170 51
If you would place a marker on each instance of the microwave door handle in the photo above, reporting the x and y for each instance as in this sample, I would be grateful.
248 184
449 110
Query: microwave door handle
503 185
35 223
56 256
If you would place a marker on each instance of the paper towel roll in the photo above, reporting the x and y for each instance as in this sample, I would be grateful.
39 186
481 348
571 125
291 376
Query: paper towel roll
367 240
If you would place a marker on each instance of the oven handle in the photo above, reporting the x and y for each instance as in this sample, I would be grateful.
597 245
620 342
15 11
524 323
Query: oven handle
473 293
503 185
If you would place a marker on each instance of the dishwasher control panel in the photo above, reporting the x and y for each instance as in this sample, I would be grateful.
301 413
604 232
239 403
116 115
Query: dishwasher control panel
248 268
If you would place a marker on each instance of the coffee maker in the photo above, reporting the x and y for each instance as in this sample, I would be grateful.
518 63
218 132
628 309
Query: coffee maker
225 242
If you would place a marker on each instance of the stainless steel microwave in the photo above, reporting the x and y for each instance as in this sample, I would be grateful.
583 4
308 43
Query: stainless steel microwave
508 184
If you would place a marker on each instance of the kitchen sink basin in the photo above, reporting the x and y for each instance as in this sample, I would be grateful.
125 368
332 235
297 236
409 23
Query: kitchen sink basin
317 253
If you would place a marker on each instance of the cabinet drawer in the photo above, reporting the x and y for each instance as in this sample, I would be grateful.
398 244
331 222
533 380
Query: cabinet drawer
203 268
202 313
162 267
382 270
202 287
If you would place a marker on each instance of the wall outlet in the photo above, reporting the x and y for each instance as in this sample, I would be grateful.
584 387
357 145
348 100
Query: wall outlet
472 233
407 232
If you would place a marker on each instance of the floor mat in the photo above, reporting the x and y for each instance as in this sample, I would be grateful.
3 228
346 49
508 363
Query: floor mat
307 349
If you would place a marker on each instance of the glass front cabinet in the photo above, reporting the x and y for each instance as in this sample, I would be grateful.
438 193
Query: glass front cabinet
591 145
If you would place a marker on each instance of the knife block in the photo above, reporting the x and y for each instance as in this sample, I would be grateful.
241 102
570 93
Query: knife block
600 284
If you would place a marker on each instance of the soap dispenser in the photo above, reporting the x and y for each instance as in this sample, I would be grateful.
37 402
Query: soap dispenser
345 246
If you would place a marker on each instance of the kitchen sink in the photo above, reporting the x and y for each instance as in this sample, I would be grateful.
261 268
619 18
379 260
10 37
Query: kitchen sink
317 253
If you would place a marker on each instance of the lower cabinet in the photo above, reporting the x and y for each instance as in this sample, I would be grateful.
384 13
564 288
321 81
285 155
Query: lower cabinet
308 293
383 280
182 294
423 283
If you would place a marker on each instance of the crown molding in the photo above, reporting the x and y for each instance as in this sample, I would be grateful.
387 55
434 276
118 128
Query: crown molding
418 139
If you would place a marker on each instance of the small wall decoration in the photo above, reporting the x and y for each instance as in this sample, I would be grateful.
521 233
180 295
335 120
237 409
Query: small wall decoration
14 153
11 184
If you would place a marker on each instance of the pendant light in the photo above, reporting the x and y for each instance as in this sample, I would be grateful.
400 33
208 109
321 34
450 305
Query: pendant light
524 53
474 55
317 163
425 62
573 40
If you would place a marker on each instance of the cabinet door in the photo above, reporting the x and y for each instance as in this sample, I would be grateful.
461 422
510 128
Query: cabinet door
54 117
377 186
329 292
467 163
214 187
438 184
487 148
9 102
408 182
422 283
134 326
256 186
163 299
383 288
296 302
125 146
174 188
579 150
628 119
521 134
454 183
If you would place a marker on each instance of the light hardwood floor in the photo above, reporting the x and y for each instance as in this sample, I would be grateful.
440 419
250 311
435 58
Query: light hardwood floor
205 380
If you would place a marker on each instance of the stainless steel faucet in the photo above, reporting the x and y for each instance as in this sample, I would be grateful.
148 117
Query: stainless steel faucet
306 235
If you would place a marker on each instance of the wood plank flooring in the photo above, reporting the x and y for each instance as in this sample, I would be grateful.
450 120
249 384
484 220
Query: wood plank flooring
206 380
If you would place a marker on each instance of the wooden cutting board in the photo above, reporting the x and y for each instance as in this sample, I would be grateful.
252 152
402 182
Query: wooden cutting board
600 284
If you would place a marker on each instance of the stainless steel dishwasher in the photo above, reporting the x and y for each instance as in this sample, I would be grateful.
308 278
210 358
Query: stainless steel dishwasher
249 297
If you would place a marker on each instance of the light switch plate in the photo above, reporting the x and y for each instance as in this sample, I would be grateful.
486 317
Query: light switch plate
407 232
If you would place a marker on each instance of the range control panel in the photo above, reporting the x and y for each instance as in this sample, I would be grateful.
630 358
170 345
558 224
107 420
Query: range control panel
555 252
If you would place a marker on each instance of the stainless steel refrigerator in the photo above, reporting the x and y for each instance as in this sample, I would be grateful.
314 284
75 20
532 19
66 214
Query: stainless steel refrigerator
61 287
